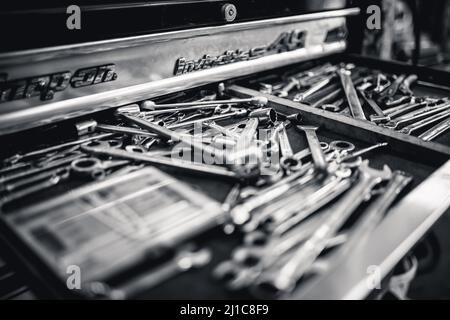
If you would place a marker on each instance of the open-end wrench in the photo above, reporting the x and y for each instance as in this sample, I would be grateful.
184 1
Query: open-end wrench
436 131
223 130
242 213
280 216
416 115
380 116
319 160
22 157
302 154
292 83
284 279
313 89
256 101
361 152
10 187
124 130
63 162
399 101
315 71
237 272
185 259
38 187
174 136
233 114
405 87
245 145
198 168
404 108
390 91
287 161
372 215
409 129
350 92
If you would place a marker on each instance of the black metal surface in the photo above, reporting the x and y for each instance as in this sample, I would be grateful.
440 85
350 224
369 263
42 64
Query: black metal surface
43 23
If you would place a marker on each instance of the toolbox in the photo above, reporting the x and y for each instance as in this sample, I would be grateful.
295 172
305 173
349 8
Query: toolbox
121 225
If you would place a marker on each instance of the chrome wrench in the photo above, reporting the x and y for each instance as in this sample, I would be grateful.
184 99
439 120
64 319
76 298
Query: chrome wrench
284 280
319 160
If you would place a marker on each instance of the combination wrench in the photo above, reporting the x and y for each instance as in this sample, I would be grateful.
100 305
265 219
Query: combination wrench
319 160
350 92
284 280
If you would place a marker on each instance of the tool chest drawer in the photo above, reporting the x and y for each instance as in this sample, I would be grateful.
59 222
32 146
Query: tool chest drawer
247 160
406 99
94 201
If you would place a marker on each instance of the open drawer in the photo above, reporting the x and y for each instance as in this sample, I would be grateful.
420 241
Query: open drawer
419 205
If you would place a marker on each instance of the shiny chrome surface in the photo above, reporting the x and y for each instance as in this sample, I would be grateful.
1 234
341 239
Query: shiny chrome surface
404 226
145 64
51 112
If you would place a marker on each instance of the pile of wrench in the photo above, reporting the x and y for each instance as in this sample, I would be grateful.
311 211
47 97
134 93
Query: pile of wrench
308 222
384 99
291 206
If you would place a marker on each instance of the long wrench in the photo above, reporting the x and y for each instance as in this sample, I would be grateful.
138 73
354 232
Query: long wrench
393 88
436 131
350 92
301 204
284 280
21 157
373 214
236 113
416 115
287 161
409 129
380 116
172 135
315 88
124 130
256 101
39 187
242 213
162 161
184 260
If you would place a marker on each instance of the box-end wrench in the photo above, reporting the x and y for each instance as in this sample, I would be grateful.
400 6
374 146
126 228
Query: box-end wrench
350 92
255 101
436 131
318 156
284 280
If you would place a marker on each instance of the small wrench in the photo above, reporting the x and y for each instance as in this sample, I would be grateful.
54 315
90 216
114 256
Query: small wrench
317 154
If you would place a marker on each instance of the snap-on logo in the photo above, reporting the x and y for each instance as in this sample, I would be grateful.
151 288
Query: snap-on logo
46 86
